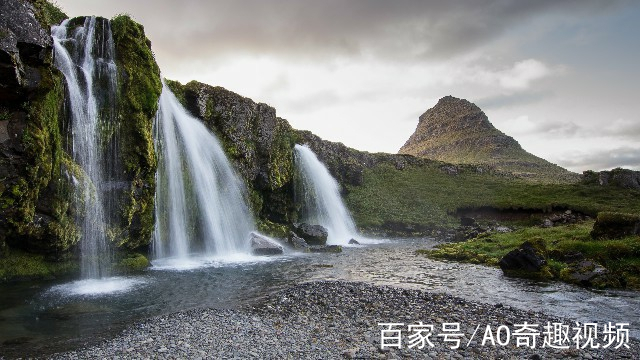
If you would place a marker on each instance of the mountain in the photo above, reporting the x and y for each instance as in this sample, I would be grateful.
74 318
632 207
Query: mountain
459 132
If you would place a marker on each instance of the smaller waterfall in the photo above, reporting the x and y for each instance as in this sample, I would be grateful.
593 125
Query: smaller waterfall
319 194
201 206
85 55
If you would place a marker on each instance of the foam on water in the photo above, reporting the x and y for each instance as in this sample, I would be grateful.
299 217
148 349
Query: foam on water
98 287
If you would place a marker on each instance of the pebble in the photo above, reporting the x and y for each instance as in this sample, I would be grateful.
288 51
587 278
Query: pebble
330 319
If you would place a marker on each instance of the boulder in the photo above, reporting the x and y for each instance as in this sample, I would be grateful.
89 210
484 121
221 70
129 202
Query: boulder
262 245
525 258
325 249
312 234
297 242
611 225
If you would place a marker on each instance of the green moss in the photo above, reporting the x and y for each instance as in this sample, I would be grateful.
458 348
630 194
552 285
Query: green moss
133 262
48 13
18 265
621 257
139 89
272 229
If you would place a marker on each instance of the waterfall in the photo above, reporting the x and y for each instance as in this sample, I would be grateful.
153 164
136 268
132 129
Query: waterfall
319 194
201 207
85 56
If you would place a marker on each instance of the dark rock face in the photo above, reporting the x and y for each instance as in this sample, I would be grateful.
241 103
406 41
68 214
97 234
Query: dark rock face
35 182
25 45
261 245
525 258
623 178
610 225
457 131
312 234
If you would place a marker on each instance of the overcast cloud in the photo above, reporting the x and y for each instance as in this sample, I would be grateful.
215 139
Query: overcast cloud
362 71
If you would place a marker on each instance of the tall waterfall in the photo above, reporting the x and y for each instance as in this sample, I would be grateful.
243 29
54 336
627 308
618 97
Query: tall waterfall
201 206
85 55
319 195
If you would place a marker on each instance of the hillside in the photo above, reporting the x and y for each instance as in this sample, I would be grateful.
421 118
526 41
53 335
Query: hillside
457 131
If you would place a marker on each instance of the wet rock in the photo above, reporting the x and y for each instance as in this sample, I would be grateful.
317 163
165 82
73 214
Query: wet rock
312 234
325 249
353 242
261 245
588 273
525 258
297 242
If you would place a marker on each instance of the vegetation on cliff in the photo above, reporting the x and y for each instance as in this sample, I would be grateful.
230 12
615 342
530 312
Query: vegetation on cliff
139 90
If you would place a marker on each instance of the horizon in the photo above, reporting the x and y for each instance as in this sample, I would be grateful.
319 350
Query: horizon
558 77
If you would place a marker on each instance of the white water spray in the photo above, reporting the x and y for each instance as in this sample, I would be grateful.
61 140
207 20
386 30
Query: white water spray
319 194
201 207
85 56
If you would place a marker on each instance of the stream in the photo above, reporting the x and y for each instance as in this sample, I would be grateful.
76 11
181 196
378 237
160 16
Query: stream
38 318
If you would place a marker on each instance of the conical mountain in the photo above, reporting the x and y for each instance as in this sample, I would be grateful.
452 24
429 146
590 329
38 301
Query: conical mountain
459 132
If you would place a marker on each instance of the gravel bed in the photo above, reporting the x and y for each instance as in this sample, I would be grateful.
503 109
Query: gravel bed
333 320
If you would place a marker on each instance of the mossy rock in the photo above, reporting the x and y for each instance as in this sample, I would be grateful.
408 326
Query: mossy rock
613 225
134 262
139 88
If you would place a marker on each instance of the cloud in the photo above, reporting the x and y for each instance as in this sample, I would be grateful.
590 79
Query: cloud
403 29
512 99
603 159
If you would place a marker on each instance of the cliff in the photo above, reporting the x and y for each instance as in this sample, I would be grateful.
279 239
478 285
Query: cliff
37 171
457 131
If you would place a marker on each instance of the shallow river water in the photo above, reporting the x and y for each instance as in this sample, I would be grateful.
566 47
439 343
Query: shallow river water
45 317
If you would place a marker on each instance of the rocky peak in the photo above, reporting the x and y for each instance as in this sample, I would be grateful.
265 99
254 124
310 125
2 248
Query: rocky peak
459 132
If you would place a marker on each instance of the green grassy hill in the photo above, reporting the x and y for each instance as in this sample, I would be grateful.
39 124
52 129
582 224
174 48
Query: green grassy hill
427 196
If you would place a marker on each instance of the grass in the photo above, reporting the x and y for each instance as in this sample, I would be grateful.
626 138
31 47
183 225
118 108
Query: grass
620 256
428 197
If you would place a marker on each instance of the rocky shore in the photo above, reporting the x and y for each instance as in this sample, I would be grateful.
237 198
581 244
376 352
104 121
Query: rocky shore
329 320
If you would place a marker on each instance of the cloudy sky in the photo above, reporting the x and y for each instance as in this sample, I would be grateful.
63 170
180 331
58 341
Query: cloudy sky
560 76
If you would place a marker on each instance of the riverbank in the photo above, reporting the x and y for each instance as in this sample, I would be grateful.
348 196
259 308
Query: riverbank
338 320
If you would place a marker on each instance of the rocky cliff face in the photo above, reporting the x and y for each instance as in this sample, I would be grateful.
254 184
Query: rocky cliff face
457 131
259 143
35 211
37 173
622 178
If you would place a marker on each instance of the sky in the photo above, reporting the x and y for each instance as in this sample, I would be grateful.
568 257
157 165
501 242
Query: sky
560 76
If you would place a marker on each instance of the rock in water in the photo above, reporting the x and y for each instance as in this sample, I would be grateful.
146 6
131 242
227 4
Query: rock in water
262 245
524 258
312 234
297 242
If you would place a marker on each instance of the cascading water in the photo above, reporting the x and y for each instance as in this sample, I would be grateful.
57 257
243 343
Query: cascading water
85 55
319 194
201 207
